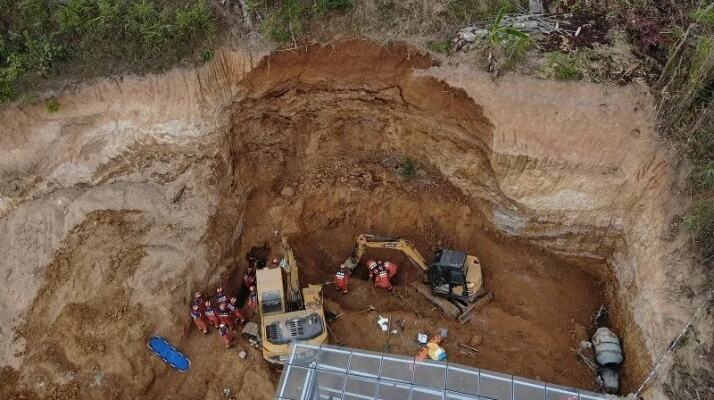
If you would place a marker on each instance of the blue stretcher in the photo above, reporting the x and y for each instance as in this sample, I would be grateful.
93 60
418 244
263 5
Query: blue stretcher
169 354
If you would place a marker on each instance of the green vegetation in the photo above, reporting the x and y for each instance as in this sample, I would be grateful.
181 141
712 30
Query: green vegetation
563 66
443 47
287 20
686 114
507 41
284 23
52 106
407 169
705 16
700 223
323 6
207 55
466 12
36 36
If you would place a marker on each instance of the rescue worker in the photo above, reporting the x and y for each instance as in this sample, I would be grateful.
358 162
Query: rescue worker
341 277
381 280
198 300
225 332
210 314
372 267
249 277
391 268
199 319
224 316
233 308
253 298
220 295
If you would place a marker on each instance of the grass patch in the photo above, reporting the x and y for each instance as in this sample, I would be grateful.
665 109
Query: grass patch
563 67
705 16
52 106
284 24
321 7
207 55
36 36
700 223
443 47
407 169
515 48
466 12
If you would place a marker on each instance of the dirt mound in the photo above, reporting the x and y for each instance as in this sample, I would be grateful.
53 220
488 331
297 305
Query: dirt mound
137 193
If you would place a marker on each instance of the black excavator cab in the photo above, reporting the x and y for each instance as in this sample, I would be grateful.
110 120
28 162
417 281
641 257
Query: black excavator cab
447 275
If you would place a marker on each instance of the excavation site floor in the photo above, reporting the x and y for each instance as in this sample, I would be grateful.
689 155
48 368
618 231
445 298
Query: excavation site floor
140 191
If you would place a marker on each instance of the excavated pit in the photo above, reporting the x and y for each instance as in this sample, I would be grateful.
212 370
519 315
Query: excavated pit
139 192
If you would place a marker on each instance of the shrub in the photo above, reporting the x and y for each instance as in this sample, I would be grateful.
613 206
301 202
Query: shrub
700 223
207 55
52 106
407 169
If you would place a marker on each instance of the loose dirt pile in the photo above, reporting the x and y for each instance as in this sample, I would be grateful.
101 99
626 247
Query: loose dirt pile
139 192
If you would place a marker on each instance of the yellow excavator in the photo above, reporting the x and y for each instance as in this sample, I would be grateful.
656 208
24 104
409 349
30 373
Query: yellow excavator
286 312
452 274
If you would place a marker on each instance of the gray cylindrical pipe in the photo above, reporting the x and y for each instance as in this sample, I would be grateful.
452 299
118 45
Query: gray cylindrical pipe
608 352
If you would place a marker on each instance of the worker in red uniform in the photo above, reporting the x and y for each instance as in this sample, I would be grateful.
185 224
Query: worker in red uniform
233 308
381 280
198 301
253 298
249 277
391 267
226 333
224 316
199 319
221 296
210 314
341 277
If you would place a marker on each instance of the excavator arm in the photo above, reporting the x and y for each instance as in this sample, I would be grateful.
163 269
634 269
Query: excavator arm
289 265
388 242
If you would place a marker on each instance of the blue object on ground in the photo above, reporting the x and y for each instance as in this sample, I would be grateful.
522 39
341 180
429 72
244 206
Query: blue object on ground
169 354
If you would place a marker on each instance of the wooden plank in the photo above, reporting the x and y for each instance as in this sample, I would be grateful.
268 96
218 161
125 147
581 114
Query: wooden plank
449 308
477 306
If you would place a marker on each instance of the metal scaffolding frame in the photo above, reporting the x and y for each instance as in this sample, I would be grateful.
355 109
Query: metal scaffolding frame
331 373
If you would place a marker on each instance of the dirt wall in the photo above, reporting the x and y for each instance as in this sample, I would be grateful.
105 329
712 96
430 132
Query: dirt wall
573 169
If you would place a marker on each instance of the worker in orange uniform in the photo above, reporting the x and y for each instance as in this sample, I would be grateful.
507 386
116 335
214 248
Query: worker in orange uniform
224 316
341 277
199 319
381 279
233 308
253 298
226 333
211 314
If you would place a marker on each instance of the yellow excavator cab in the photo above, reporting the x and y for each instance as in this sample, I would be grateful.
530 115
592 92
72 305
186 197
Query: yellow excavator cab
299 317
